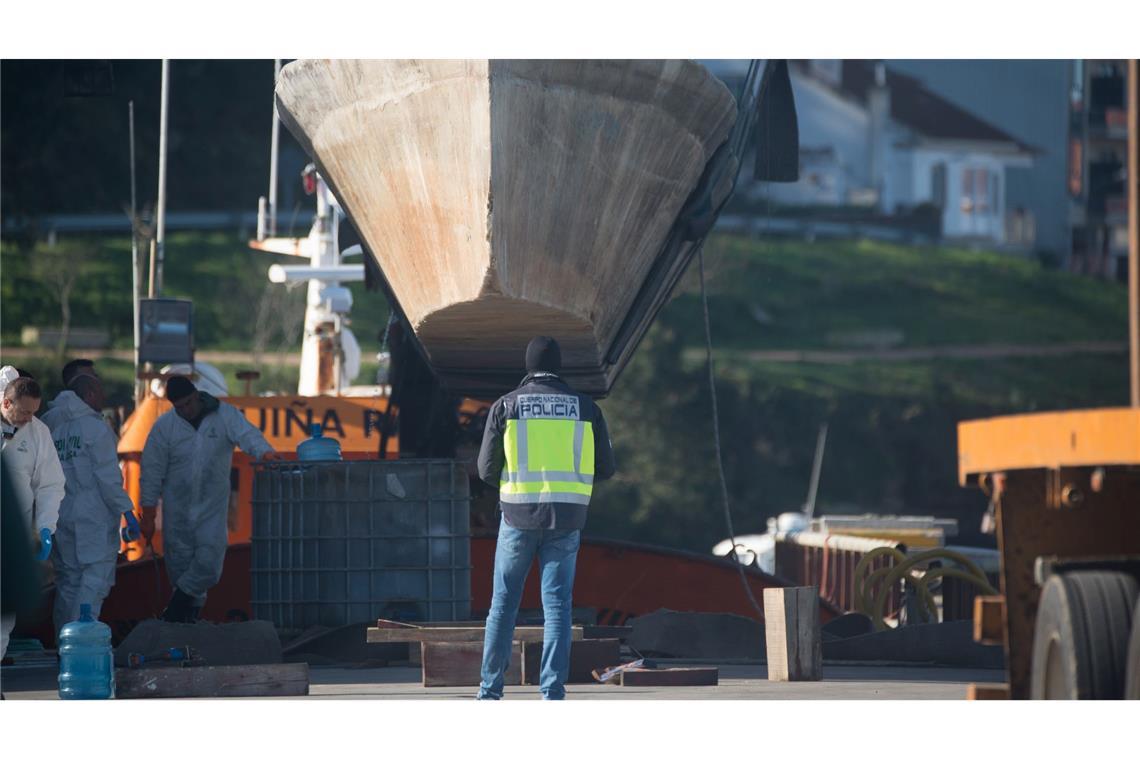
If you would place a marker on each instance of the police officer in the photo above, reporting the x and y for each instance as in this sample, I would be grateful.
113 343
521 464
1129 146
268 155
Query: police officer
544 446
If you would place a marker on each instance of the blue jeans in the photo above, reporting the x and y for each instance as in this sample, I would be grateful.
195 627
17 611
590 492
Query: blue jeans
557 552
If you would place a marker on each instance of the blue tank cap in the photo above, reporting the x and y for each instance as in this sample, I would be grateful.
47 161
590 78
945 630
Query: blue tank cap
85 613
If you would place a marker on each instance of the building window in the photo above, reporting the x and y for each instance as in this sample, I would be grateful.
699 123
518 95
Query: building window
938 185
978 191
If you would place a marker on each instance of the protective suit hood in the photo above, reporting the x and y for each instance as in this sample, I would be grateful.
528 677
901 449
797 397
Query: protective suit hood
8 373
67 406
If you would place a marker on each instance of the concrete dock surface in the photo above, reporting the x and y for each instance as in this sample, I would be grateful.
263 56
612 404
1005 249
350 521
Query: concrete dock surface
863 681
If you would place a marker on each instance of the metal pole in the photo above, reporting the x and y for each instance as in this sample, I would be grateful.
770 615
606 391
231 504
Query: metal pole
160 231
1133 173
150 277
134 247
817 465
273 154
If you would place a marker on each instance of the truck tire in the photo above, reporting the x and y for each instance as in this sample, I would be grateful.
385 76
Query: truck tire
1132 671
1080 646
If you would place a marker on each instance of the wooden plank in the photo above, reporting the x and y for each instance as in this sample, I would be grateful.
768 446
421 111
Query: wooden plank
989 619
399 635
458 663
281 680
401 625
586 656
792 636
977 691
670 677
584 616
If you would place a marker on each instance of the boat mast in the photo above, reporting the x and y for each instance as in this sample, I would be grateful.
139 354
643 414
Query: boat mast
267 209
134 250
273 156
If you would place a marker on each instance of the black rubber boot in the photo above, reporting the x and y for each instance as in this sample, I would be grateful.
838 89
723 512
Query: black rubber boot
180 608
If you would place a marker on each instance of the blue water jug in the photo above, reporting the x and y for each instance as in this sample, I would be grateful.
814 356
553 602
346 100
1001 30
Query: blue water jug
318 448
86 664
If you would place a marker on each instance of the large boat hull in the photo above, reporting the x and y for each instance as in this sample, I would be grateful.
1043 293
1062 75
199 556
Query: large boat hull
508 199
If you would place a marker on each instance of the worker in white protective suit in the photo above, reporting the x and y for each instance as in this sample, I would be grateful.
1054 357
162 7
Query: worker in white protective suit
32 465
87 536
186 461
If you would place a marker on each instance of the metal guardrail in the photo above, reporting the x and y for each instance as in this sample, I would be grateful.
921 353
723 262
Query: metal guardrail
828 560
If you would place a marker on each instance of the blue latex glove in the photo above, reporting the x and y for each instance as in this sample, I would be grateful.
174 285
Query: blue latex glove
45 545
131 531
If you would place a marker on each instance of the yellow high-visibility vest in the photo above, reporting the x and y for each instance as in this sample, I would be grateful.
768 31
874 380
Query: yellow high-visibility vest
548 451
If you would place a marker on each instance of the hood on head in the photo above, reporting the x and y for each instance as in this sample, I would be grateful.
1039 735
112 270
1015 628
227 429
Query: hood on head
71 406
8 373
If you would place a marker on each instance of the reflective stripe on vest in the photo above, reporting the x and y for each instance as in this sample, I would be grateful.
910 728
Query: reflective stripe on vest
549 453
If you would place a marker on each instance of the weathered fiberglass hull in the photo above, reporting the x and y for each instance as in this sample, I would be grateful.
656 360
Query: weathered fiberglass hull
507 199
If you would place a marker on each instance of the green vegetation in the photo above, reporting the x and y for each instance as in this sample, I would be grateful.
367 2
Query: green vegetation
235 305
892 444
816 295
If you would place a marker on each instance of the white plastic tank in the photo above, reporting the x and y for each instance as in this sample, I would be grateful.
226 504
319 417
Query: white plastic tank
206 377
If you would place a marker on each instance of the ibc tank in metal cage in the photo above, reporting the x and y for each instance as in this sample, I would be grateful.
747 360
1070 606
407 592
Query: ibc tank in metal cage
336 543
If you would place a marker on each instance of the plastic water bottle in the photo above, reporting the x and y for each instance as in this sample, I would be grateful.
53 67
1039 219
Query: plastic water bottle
318 448
86 664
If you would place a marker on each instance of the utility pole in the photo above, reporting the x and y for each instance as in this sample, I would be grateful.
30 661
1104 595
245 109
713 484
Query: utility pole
135 264
273 154
158 246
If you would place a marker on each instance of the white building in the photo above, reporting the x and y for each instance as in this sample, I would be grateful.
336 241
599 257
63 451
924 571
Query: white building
877 139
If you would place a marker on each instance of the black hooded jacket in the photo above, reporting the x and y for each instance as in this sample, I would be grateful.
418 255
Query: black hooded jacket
554 515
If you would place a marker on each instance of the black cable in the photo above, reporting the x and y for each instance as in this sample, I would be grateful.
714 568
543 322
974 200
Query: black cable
716 439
